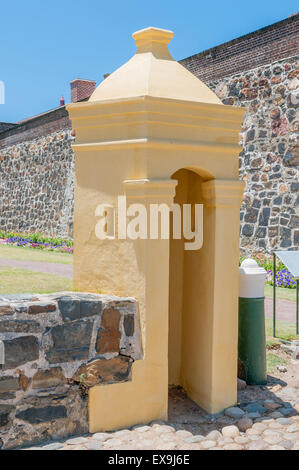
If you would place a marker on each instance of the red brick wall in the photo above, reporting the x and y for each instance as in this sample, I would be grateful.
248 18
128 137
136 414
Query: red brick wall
266 45
40 126
81 89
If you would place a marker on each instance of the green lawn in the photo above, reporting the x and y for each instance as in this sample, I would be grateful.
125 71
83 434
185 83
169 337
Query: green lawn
273 361
34 254
281 292
284 330
20 281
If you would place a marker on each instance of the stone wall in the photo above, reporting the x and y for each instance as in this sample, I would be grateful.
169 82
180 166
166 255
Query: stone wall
36 185
270 157
258 71
56 347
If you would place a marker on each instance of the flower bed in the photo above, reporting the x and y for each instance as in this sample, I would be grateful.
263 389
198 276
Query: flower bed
37 241
283 276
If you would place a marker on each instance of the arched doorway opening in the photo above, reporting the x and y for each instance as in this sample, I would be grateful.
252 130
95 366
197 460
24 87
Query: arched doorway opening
191 288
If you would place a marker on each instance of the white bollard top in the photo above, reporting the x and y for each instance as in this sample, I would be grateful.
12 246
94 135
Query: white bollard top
251 279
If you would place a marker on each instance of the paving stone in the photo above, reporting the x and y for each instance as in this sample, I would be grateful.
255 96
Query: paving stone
272 439
164 428
292 436
151 434
207 444
53 446
259 427
193 439
275 425
78 447
182 434
255 408
292 428
287 444
271 432
287 411
253 432
241 440
230 431
214 435
234 412
232 447
141 428
92 445
101 436
241 384
244 424
225 440
122 433
157 422
113 442
167 446
76 441
168 437
257 445
149 443
254 415
276 447
254 437
271 406
276 414
284 421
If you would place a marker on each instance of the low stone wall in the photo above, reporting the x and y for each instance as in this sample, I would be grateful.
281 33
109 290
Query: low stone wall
56 347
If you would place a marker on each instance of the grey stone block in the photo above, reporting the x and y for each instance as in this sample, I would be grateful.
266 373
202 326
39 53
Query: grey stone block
70 342
20 350
4 414
42 415
74 309
19 326
9 384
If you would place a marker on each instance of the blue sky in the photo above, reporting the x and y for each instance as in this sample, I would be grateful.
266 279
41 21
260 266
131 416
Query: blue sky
46 44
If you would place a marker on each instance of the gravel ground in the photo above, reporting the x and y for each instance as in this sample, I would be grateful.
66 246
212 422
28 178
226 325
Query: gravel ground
265 418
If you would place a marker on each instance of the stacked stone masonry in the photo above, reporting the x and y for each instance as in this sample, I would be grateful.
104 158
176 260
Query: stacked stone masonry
36 185
269 160
56 347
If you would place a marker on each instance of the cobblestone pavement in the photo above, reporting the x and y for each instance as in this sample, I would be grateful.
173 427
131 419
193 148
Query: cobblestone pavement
265 418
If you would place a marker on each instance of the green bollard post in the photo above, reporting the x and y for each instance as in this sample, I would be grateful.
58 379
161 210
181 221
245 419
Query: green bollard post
252 335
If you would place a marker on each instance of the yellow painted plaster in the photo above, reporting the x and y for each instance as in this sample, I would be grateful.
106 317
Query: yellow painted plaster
154 132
